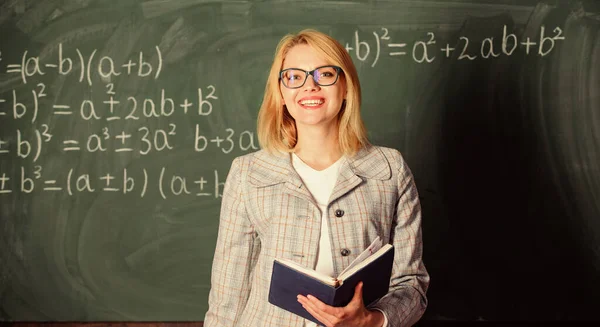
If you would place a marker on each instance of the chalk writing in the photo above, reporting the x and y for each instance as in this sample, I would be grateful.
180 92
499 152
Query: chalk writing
105 67
125 181
427 50
118 125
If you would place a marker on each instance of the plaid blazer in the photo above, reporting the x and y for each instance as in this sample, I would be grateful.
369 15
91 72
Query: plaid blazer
268 213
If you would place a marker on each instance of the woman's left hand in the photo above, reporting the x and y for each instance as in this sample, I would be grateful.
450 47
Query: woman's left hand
354 314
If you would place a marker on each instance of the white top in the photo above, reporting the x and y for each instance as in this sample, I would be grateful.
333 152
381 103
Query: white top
320 183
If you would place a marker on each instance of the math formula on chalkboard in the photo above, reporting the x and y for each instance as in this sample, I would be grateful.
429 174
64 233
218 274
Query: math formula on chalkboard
33 112
370 48
166 181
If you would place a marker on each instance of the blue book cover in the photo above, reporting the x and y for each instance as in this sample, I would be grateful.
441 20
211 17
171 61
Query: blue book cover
290 279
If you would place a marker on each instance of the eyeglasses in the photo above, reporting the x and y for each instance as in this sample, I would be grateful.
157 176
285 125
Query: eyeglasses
293 78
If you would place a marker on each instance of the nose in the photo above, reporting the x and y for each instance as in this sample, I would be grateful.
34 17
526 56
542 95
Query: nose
310 83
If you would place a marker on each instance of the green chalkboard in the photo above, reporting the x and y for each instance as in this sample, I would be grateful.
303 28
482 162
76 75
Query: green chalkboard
119 121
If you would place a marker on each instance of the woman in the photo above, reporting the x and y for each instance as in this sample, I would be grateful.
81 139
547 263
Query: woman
317 193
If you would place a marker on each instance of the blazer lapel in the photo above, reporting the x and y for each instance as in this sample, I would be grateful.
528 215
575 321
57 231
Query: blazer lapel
368 163
346 181
296 187
271 169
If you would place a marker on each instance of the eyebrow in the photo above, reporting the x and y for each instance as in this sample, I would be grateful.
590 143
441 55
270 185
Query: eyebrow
318 66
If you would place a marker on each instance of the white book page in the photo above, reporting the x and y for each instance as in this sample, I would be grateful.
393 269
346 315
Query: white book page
350 272
366 256
309 272
374 247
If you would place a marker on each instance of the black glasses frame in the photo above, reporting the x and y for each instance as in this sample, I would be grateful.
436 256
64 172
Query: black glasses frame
312 73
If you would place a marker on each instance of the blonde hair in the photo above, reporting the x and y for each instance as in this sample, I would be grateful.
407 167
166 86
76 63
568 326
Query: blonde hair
276 127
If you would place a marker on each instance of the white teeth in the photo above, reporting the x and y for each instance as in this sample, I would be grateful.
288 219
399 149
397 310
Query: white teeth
311 102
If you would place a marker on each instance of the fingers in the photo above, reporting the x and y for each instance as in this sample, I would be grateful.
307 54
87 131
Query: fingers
315 308
358 294
333 316
322 306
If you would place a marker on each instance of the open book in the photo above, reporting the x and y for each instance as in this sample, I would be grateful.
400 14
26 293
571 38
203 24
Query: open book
373 267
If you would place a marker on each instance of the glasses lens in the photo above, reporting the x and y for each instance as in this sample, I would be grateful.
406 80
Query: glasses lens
293 77
326 76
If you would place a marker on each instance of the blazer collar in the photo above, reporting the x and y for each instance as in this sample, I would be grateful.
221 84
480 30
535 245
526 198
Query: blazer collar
270 169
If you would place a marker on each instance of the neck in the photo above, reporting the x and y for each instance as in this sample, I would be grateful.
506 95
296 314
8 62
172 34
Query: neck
318 148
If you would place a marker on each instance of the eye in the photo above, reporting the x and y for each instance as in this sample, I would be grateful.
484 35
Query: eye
293 75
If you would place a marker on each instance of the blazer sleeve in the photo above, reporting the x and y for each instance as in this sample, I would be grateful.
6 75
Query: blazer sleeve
235 255
406 301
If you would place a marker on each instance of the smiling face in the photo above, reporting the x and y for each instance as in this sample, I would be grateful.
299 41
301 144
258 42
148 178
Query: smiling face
312 105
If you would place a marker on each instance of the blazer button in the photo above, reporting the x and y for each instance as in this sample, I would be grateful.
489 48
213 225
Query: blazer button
345 252
339 213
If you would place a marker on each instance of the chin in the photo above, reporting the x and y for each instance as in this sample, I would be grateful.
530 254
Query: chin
315 122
